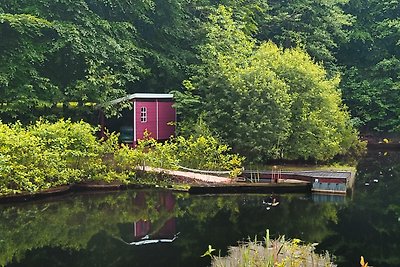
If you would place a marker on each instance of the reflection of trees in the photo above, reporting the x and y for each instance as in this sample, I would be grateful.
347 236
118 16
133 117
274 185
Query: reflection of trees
294 217
72 223
370 225
87 229
224 220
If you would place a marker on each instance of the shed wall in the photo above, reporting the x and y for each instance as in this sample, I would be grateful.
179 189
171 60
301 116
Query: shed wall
151 124
166 119
160 119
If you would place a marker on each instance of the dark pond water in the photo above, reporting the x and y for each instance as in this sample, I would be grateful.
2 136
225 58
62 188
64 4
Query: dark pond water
160 228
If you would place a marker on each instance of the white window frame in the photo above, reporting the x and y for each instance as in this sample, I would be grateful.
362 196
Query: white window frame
143 114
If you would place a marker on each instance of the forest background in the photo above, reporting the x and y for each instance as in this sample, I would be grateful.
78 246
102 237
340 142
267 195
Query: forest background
271 78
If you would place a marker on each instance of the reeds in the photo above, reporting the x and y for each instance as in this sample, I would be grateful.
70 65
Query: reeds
273 253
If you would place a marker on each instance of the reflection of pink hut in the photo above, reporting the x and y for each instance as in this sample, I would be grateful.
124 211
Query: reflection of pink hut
142 228
151 112
163 230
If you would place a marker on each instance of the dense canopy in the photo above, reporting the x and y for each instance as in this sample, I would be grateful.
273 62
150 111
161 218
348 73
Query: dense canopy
266 101
96 50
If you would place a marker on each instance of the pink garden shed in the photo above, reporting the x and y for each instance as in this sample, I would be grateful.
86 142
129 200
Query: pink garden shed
153 113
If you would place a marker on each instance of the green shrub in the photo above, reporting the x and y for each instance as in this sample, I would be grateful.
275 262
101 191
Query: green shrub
207 153
200 152
46 155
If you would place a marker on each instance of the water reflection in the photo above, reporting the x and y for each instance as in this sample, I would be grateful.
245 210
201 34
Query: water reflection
72 225
330 198
161 228
370 224
129 228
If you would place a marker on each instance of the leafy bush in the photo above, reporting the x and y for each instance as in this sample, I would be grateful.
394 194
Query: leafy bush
46 155
148 152
207 153
203 152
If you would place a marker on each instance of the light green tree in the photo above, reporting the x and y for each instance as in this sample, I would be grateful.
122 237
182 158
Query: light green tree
320 123
267 102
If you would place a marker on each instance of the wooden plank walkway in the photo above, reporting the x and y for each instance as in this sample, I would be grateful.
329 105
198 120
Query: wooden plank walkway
192 175
222 185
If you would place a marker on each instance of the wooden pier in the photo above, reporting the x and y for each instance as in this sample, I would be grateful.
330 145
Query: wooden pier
334 182
212 184
318 181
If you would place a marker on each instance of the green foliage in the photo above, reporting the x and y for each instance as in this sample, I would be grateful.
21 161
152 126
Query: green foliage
85 50
320 26
372 65
24 46
201 148
47 155
148 152
44 155
267 102
186 104
203 152
233 86
62 51
207 153
320 124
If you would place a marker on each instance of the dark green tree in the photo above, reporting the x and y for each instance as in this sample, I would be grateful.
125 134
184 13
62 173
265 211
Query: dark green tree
319 26
371 84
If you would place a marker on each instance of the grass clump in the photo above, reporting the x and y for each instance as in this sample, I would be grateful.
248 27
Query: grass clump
269 253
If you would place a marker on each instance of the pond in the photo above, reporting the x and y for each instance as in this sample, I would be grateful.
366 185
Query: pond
164 228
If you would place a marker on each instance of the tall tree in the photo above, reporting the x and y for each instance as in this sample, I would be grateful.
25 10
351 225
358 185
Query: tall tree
320 124
67 49
268 102
24 46
244 101
319 26
371 84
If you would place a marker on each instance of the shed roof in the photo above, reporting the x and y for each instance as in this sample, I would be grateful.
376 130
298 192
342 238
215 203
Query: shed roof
139 96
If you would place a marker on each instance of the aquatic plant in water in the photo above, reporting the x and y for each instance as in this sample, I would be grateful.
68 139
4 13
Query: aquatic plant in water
268 253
